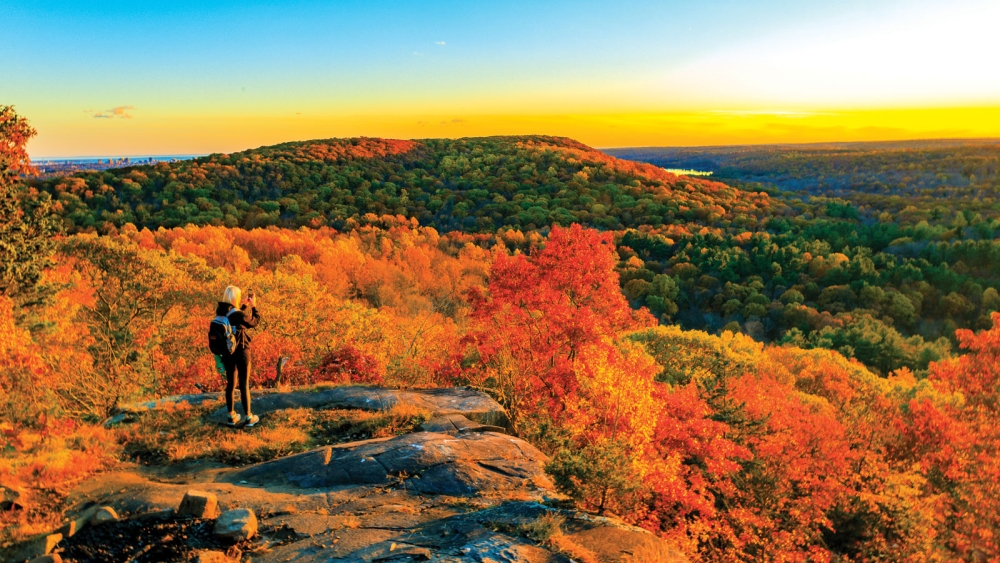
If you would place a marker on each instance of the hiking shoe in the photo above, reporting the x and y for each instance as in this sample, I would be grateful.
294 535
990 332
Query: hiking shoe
251 421
234 419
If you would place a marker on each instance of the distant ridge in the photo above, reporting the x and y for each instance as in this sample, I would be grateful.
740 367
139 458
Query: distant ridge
472 184
907 144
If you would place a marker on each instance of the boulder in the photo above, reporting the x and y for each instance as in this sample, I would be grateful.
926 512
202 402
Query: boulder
236 525
103 514
199 504
71 527
74 525
51 558
434 463
35 548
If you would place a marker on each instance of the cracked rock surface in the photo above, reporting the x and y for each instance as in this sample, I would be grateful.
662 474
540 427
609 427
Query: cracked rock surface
426 462
471 404
459 490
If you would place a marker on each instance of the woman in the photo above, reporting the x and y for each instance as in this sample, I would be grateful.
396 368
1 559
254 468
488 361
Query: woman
238 363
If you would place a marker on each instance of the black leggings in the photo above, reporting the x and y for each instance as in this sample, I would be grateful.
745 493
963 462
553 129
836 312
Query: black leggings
238 363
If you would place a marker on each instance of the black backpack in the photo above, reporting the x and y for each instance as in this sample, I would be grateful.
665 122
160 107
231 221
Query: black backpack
221 337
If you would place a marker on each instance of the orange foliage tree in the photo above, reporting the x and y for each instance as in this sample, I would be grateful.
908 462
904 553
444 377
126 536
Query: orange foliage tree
735 450
547 342
539 311
952 433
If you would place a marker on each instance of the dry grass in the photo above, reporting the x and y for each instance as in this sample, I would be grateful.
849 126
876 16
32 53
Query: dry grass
405 509
651 554
41 467
349 521
160 438
543 529
565 545
402 418
548 532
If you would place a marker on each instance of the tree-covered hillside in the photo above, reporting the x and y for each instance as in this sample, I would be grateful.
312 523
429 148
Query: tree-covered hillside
731 449
465 184
875 275
936 178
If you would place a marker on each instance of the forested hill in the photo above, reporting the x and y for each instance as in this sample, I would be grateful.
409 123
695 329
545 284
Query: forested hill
968 168
882 275
476 184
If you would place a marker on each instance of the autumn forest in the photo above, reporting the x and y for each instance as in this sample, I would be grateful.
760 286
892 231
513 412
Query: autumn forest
794 359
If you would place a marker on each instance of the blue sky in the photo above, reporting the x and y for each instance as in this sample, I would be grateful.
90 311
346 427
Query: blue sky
338 62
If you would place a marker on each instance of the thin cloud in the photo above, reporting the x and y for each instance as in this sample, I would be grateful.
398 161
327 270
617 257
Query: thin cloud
120 111
772 113
440 43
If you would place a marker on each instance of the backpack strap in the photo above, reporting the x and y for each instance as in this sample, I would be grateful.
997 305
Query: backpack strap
231 311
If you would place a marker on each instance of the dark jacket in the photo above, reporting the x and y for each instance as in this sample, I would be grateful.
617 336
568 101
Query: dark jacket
240 323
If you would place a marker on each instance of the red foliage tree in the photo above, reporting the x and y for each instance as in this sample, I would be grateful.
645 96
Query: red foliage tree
954 436
347 364
540 310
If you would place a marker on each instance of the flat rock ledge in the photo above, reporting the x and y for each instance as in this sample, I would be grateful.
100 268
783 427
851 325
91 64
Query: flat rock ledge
473 405
474 537
456 424
427 462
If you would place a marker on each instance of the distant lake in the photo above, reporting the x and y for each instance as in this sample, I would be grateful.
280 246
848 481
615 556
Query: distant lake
683 172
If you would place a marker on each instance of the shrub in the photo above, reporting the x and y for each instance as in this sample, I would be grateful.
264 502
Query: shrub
347 364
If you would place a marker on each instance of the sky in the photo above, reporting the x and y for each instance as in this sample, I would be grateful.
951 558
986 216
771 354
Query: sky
196 77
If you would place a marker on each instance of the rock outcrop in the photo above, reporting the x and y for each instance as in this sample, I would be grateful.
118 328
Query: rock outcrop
236 525
459 490
199 504
104 515
473 405
428 462
457 423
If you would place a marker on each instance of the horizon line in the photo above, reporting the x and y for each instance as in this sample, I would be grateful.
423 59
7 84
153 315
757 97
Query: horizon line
984 139
101 157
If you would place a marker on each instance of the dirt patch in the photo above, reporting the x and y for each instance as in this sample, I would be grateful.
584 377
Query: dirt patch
131 540
142 541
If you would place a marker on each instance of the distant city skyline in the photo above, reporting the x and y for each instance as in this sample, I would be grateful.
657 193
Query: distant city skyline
84 158
188 77
59 166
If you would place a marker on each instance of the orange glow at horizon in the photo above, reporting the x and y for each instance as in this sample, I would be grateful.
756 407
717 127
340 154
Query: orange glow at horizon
203 135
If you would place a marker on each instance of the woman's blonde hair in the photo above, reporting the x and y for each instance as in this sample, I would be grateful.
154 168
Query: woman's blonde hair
232 295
